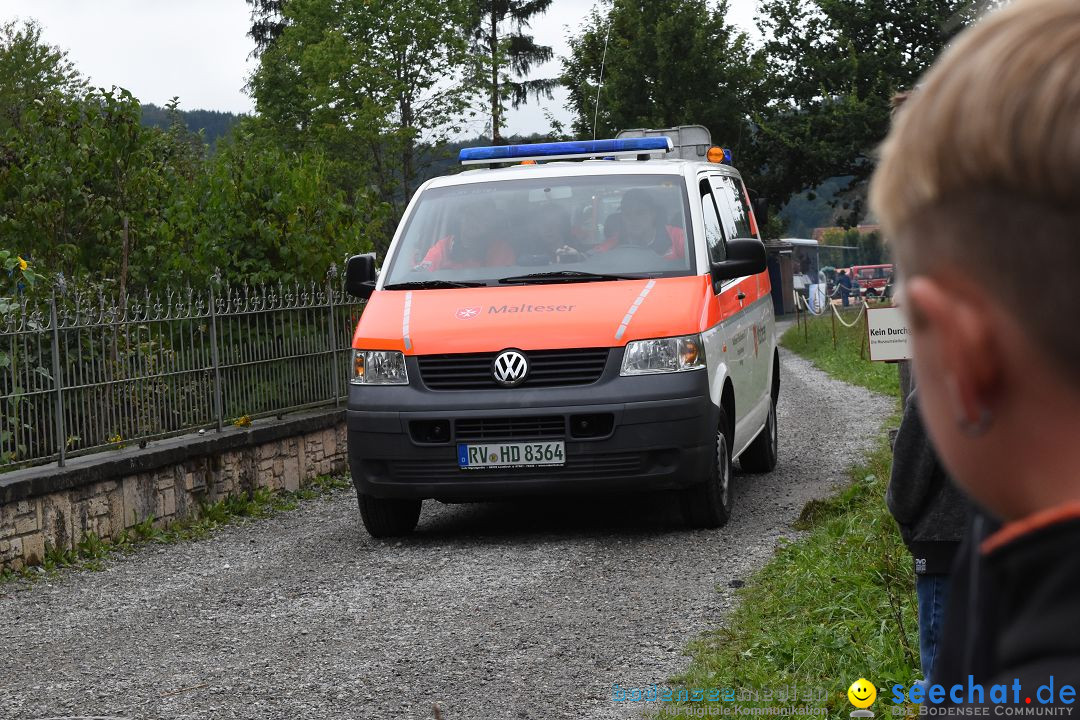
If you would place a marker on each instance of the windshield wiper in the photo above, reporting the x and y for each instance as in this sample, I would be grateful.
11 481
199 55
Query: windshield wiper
565 276
432 285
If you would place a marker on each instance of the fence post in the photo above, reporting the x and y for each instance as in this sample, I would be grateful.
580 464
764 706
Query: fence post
333 335
214 355
865 335
833 316
58 382
806 322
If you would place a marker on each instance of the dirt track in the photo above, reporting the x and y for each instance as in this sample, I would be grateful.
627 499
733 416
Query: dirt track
519 610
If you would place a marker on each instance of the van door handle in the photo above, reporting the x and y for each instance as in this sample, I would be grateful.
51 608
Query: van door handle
741 295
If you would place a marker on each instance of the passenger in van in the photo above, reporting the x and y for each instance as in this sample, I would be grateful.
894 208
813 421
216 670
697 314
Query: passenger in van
639 223
642 225
477 243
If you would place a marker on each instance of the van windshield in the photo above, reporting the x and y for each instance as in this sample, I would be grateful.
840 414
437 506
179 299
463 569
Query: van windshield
546 230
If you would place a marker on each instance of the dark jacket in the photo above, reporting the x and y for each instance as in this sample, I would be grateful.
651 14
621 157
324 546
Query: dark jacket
1014 609
931 512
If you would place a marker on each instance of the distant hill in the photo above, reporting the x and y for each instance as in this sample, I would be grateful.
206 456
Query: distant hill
212 123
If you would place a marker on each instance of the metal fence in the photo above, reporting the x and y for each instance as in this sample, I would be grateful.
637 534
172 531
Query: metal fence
87 372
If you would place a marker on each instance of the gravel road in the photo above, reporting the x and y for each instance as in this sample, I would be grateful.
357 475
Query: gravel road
508 610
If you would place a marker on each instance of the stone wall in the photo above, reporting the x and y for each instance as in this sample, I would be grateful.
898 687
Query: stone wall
110 491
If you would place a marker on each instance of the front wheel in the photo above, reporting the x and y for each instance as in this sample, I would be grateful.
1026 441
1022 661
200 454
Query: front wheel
709 505
387 517
760 455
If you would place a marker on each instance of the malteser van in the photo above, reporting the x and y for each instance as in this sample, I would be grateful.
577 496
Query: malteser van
593 318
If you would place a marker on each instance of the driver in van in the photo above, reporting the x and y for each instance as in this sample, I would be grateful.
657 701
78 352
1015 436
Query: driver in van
477 243
641 225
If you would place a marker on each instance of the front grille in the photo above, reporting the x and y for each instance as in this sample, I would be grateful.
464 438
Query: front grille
609 465
509 428
547 368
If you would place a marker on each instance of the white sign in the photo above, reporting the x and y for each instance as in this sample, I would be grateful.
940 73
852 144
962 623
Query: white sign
889 339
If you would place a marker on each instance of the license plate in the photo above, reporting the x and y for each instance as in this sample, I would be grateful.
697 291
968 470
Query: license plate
476 456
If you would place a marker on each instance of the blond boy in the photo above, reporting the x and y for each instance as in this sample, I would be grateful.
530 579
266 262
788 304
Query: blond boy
979 189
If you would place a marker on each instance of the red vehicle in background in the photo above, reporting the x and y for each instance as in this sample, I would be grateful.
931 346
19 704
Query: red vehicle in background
871 279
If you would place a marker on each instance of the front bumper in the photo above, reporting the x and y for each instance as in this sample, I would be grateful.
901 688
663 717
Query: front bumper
662 436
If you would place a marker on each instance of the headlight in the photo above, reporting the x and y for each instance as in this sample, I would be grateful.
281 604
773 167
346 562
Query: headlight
379 367
665 355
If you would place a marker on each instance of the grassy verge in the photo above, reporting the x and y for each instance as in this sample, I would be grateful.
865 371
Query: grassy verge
835 605
90 552
814 341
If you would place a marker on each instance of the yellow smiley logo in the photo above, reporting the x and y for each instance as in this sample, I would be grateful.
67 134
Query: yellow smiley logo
862 693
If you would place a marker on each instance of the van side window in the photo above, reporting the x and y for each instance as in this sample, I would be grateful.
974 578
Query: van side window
729 192
714 236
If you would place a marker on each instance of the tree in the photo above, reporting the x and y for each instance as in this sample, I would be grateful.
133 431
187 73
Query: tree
833 67
505 55
669 62
213 124
82 184
89 191
31 70
364 82
872 250
265 214
267 22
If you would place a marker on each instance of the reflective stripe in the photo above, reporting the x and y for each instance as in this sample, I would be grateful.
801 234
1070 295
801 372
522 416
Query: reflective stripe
633 309
405 321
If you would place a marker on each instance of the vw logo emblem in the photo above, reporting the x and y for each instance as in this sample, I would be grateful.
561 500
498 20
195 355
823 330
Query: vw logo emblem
510 368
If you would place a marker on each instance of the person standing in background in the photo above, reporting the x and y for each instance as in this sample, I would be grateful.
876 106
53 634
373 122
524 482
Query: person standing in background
933 517
845 288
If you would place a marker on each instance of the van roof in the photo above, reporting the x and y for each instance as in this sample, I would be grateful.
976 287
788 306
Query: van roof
570 168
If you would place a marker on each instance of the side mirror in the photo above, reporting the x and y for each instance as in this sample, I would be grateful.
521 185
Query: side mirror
745 256
360 275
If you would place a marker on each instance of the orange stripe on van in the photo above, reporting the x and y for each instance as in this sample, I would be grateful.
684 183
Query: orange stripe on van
537 317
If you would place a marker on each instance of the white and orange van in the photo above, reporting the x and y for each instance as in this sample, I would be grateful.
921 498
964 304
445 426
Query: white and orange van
594 317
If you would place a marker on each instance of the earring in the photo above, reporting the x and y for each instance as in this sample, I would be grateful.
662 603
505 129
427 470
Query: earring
977 428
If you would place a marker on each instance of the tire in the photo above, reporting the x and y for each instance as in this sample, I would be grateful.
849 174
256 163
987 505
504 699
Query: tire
760 455
388 517
708 505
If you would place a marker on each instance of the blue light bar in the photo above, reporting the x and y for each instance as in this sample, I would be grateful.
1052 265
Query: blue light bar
574 149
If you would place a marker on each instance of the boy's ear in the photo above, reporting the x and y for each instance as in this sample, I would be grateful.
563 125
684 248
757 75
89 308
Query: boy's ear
955 327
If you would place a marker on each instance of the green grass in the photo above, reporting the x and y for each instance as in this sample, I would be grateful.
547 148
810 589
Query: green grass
814 341
91 550
836 604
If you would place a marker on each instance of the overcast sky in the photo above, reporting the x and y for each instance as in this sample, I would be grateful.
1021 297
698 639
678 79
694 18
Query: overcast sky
199 49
